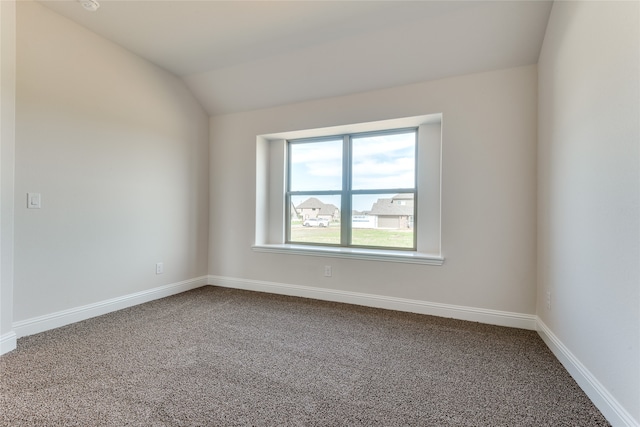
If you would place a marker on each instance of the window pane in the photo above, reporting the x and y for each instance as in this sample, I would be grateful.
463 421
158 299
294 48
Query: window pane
315 219
384 161
316 166
383 220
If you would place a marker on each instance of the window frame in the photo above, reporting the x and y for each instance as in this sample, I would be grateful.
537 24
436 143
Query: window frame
270 187
347 192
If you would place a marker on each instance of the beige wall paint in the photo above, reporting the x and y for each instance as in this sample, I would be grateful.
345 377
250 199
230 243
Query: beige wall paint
488 191
118 148
589 190
7 157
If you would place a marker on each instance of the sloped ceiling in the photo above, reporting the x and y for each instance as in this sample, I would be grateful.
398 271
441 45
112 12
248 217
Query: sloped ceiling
244 55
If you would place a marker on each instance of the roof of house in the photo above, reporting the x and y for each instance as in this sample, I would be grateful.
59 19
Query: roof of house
403 196
386 207
313 203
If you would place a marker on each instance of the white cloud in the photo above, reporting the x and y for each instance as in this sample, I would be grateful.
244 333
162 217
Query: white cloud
383 144
324 169
321 151
380 161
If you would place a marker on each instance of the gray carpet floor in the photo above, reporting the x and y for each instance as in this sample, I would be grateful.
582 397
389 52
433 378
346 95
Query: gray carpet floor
224 357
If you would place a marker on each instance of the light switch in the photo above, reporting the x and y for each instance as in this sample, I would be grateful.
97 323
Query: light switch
34 201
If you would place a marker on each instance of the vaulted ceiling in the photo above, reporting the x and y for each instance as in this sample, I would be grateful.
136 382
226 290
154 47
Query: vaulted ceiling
243 55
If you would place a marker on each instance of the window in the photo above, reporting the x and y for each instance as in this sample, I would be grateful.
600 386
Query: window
326 216
353 190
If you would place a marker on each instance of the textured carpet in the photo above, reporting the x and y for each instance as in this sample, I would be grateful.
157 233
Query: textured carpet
223 357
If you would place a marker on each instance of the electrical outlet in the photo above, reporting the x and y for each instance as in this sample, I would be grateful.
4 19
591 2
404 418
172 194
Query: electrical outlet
327 271
159 268
548 300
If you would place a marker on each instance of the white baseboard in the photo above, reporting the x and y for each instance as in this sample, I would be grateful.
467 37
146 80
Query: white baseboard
599 395
61 318
492 317
8 342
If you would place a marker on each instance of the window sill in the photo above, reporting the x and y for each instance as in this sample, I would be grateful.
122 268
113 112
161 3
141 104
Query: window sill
409 257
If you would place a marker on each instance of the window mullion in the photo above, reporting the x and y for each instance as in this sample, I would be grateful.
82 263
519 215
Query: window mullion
287 195
345 211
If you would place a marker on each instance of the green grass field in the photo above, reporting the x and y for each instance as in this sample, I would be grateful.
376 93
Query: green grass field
360 236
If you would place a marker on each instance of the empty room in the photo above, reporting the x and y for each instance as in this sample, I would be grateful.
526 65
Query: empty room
320 213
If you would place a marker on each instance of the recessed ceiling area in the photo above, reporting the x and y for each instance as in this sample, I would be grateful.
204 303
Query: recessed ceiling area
244 55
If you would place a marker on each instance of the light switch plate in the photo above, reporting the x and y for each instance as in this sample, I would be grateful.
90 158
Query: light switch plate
34 201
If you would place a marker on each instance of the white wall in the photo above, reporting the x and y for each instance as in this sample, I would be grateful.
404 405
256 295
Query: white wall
118 148
589 189
489 191
7 157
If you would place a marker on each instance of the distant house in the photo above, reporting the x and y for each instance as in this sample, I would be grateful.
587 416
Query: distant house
314 208
394 213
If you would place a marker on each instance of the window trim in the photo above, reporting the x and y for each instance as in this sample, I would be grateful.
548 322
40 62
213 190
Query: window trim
391 255
271 185
347 192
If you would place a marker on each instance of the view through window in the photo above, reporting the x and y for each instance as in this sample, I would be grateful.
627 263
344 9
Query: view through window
353 190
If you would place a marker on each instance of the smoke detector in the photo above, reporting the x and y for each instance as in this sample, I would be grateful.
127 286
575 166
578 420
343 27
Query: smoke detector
90 5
